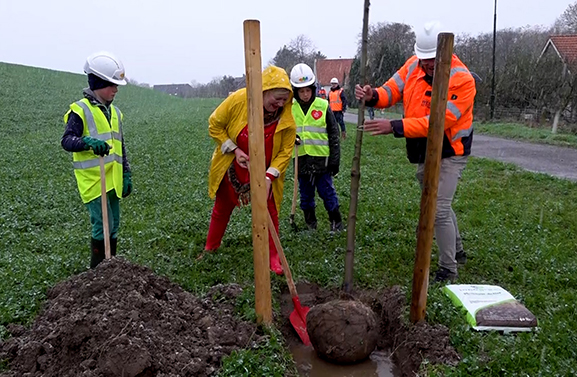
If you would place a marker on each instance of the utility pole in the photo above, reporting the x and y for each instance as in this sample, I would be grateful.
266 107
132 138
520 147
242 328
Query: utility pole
493 79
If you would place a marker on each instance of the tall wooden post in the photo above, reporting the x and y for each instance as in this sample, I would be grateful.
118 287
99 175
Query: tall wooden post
257 168
104 203
356 168
431 178
492 99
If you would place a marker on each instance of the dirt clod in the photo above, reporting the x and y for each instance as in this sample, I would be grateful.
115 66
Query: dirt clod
343 331
123 320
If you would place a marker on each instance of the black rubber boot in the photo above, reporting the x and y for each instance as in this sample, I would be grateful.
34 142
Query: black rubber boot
444 275
461 258
113 243
336 220
97 255
310 218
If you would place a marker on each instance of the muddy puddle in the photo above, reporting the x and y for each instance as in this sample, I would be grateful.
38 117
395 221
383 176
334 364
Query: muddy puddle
411 343
310 365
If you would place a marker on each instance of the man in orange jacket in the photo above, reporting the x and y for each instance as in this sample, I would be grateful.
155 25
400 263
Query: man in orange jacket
412 84
338 104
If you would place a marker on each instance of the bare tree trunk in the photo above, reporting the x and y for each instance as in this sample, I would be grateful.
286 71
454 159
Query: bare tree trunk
356 168
561 102
556 121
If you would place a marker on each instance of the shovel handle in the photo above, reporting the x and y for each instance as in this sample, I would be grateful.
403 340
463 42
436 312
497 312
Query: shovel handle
104 201
285 266
296 184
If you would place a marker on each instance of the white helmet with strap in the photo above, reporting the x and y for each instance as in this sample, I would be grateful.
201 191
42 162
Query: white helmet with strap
302 76
334 80
426 41
106 66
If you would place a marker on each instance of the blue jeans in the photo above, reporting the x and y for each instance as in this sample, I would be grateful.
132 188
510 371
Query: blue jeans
371 113
339 117
325 187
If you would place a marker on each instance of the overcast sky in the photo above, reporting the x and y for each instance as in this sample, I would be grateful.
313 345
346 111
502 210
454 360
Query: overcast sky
177 41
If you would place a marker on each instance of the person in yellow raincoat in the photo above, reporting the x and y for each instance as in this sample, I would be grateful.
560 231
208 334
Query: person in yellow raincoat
229 180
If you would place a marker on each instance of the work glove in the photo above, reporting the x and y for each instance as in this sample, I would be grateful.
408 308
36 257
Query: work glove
126 184
99 147
298 140
333 170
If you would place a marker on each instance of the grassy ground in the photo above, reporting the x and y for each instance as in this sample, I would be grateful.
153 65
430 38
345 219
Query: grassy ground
524 133
514 131
519 228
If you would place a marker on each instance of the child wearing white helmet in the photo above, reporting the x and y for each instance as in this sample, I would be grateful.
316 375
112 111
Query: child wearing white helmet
94 129
319 148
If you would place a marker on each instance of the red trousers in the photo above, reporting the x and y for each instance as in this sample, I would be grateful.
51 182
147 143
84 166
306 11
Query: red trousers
226 200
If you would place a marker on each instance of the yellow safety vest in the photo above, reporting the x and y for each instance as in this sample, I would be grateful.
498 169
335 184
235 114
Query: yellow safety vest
86 163
312 128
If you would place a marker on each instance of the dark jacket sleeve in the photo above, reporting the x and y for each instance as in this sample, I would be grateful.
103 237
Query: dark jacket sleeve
125 164
334 133
72 138
344 100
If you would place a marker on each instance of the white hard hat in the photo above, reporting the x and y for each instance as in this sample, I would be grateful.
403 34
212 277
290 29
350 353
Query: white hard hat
334 80
302 75
106 66
426 41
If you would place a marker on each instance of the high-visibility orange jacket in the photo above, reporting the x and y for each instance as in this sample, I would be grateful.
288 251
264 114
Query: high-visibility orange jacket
411 85
323 93
335 100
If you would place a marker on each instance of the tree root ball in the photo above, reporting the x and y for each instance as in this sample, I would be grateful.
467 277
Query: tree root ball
343 332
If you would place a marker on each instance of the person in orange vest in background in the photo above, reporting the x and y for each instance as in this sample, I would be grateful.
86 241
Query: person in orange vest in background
412 84
322 93
338 103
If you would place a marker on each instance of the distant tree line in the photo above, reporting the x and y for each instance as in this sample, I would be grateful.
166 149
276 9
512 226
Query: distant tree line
529 85
299 50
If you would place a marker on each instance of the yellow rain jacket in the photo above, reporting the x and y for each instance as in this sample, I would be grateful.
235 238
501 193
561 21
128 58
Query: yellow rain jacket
230 117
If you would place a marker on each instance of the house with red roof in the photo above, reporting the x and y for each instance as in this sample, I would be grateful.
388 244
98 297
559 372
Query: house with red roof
326 69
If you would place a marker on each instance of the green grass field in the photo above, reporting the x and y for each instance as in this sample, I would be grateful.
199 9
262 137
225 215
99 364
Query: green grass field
519 228
524 133
515 131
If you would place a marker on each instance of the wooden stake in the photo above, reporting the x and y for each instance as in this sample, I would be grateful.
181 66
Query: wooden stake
356 168
258 194
104 200
431 178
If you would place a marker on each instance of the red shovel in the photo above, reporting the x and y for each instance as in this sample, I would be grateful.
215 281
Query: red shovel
298 317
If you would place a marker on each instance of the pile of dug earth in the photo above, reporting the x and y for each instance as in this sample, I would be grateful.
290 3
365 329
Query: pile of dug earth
121 319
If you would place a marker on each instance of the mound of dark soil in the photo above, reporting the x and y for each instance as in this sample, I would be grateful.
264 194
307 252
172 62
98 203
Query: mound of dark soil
409 344
121 319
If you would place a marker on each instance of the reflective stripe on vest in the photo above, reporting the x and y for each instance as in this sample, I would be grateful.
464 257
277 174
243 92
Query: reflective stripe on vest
312 129
463 133
400 82
92 124
335 100
86 164
96 162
